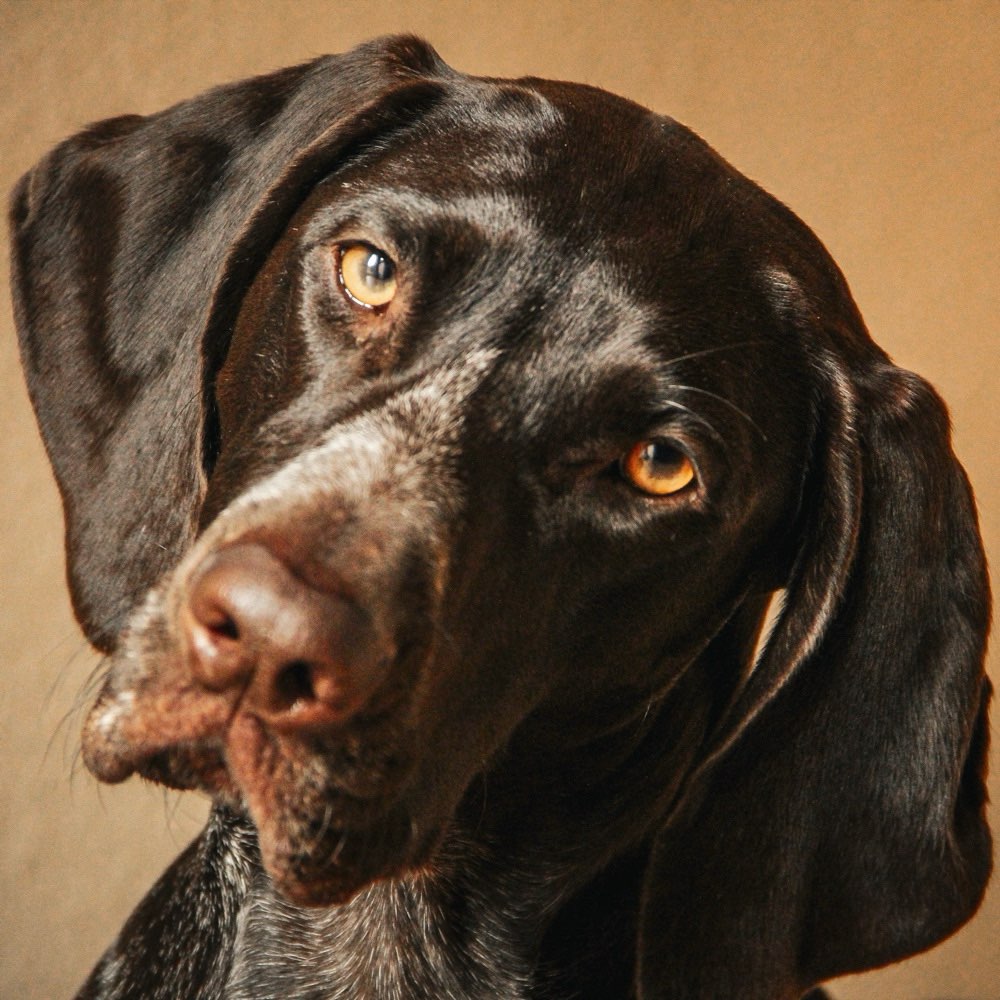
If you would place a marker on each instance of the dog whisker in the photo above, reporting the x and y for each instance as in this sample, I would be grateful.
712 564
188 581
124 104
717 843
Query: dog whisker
324 826
696 416
722 399
338 850
717 349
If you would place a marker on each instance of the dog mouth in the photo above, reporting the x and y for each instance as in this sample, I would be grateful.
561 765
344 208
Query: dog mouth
328 808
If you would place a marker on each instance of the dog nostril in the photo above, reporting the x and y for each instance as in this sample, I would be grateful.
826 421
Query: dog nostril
222 626
219 660
296 656
294 685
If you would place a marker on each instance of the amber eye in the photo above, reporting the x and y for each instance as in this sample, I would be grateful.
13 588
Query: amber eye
367 275
657 467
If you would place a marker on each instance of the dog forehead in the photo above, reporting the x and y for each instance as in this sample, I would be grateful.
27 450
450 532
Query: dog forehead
588 160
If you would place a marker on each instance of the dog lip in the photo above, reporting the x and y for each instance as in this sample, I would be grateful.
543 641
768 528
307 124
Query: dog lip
107 754
123 729
113 758
106 764
128 731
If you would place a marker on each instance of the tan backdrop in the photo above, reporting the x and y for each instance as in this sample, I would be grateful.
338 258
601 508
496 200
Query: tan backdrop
877 122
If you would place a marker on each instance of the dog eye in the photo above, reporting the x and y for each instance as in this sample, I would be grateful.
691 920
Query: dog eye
657 467
367 275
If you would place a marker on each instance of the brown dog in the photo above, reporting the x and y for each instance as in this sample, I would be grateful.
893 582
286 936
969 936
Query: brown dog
431 448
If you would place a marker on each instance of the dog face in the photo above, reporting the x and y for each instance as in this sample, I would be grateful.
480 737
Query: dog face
536 473
474 427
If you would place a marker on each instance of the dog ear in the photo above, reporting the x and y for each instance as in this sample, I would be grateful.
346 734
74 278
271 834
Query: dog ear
132 242
838 822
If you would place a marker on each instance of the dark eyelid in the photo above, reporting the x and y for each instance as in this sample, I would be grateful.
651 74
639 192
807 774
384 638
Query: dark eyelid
683 423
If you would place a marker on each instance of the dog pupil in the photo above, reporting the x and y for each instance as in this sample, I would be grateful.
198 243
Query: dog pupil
661 458
377 269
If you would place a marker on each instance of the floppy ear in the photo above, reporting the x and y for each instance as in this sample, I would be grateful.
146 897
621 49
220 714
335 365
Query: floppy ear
132 242
838 822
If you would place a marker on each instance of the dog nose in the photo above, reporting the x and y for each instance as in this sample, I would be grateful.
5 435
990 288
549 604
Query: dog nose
301 656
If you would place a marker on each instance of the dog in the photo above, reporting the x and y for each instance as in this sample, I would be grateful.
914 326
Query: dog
495 502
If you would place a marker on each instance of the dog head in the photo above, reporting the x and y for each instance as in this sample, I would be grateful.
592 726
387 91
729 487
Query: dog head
414 428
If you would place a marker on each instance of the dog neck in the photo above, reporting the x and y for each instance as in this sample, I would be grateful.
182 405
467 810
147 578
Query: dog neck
455 932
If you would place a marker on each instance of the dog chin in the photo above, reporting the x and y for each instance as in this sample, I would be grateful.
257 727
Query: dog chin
332 875
332 865
319 843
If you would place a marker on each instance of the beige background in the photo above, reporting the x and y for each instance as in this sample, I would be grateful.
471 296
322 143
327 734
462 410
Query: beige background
878 123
